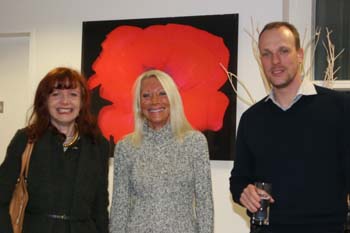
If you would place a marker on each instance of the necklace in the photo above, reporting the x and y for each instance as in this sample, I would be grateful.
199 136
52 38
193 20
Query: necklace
75 137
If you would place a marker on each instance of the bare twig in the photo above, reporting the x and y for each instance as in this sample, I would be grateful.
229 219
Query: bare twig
330 72
310 48
255 47
250 101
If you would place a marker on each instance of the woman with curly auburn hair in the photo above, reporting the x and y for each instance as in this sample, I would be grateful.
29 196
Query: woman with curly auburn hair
68 171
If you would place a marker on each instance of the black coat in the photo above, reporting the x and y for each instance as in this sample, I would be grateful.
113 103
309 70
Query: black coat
90 195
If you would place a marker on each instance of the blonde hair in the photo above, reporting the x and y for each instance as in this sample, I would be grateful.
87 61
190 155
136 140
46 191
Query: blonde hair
178 121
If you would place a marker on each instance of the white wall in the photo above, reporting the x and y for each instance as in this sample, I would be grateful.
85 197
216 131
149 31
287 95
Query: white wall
55 29
14 93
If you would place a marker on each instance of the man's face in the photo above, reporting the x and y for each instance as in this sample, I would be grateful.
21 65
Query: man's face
280 59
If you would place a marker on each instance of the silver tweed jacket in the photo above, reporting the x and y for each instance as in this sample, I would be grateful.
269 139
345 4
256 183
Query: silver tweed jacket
163 186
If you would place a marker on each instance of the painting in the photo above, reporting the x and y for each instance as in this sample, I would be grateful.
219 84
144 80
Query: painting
194 50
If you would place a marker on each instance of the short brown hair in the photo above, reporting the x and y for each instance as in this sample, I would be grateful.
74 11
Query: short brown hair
278 24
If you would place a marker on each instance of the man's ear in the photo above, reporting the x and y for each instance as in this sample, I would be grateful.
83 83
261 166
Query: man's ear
300 54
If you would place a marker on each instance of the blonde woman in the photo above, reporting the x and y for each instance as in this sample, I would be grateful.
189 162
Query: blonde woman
162 179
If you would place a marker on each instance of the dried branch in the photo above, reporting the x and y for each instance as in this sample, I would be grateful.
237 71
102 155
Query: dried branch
250 101
255 47
329 76
310 48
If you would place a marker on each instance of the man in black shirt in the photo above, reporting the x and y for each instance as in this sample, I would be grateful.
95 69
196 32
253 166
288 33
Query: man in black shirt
296 139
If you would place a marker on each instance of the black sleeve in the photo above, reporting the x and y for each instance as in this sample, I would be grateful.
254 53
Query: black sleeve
9 171
346 162
242 171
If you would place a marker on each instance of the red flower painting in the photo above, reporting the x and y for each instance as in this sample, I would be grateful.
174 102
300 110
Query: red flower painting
190 55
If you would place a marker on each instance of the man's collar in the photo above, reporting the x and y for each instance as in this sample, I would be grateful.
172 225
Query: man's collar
306 88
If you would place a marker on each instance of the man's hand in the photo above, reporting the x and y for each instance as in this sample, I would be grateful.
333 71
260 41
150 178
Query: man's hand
250 198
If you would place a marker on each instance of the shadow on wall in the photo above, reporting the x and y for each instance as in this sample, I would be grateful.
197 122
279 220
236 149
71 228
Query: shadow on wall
241 211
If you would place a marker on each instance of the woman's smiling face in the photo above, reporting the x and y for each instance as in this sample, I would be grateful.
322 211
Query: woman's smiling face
155 105
64 106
